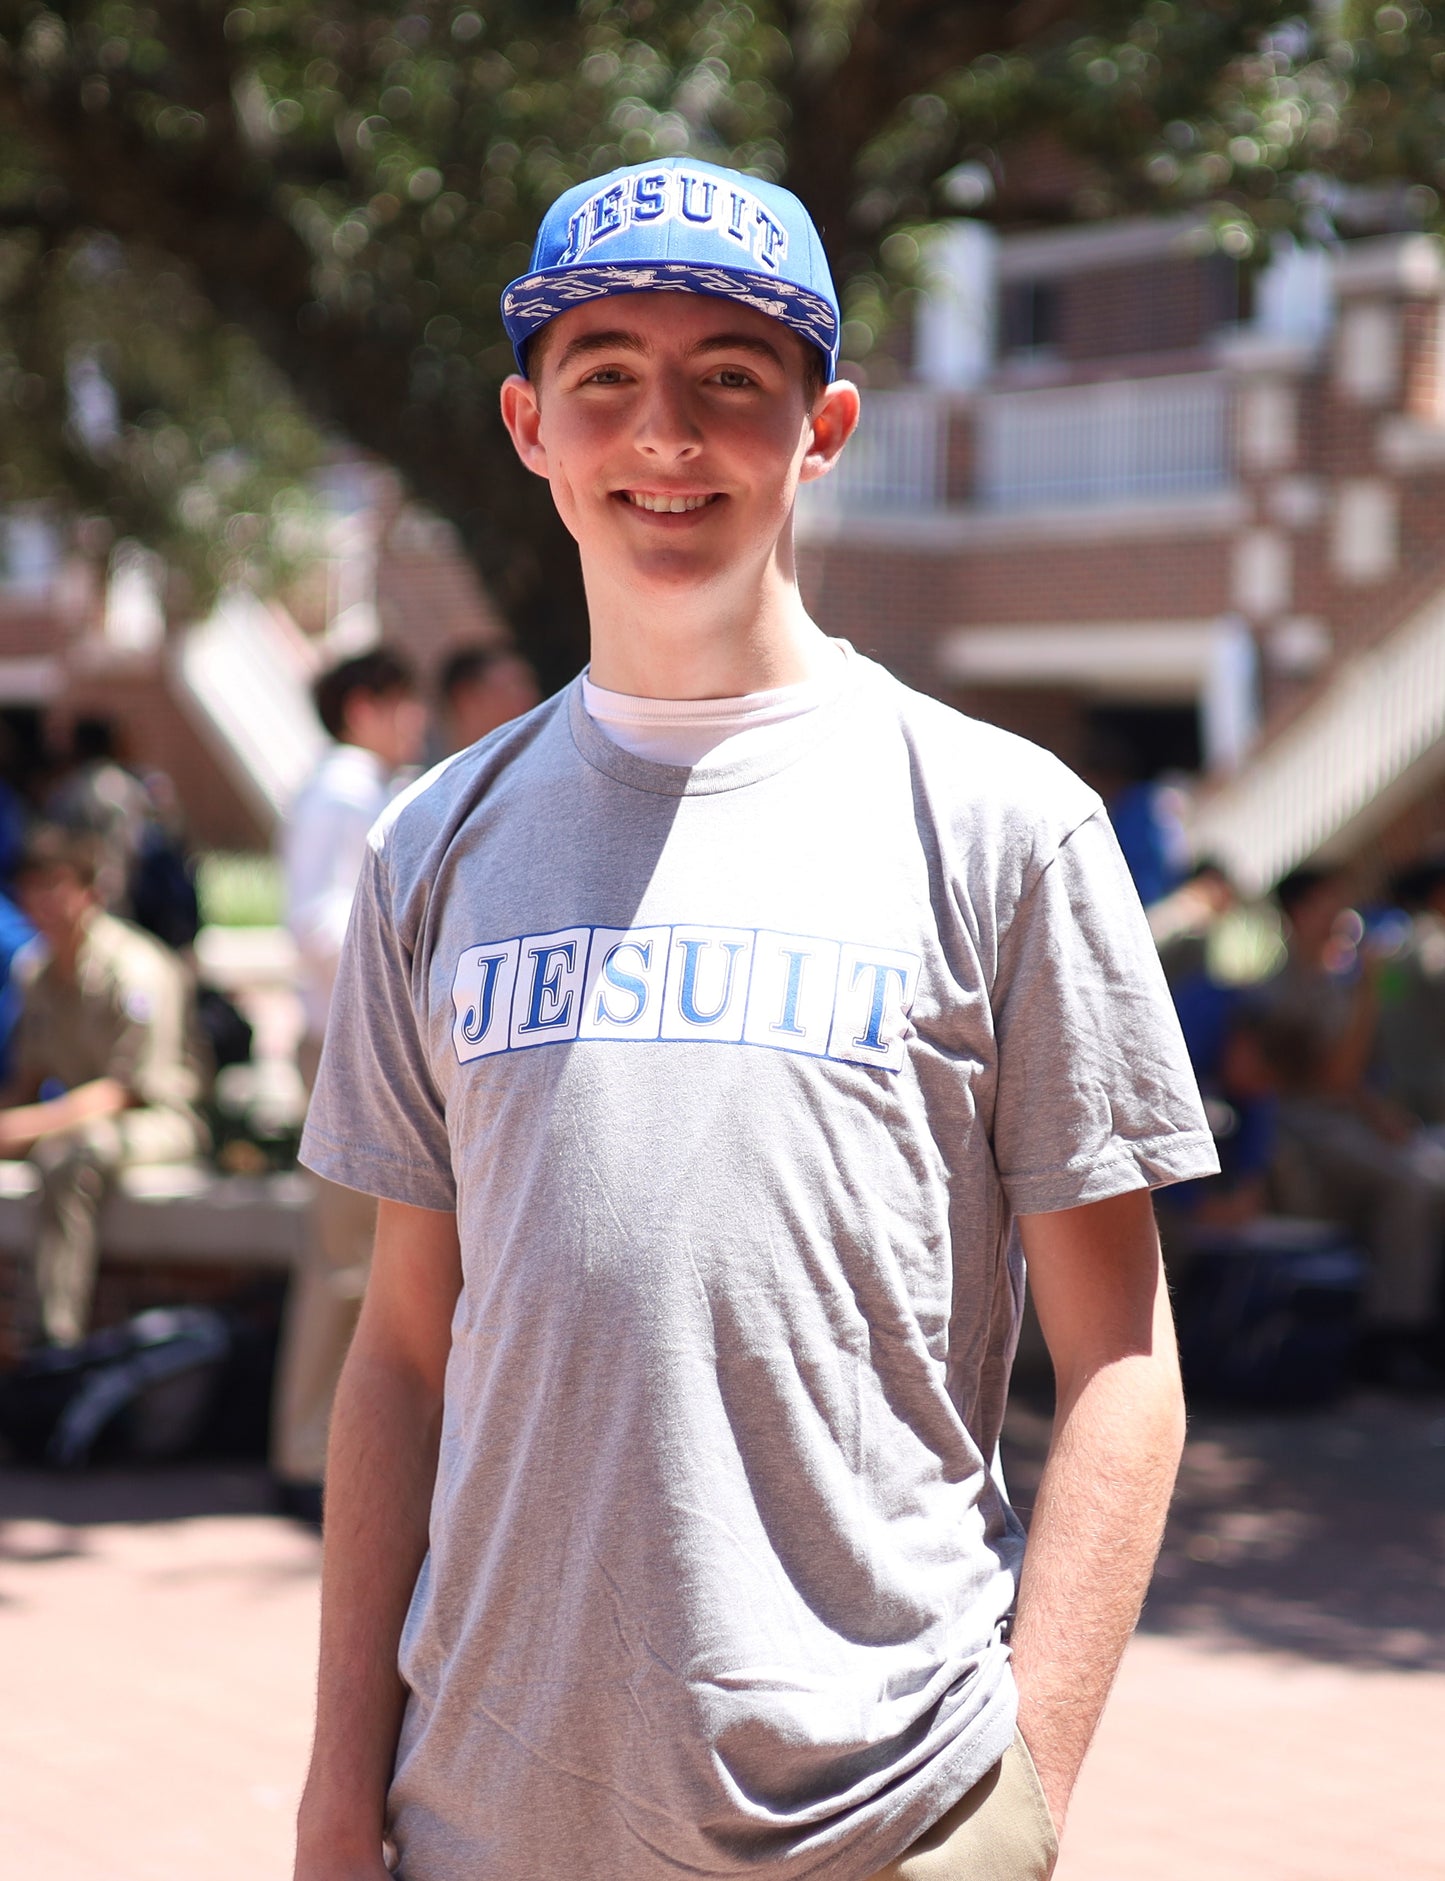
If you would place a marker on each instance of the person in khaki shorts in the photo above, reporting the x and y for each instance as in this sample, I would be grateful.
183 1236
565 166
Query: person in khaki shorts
369 707
717 1039
106 1067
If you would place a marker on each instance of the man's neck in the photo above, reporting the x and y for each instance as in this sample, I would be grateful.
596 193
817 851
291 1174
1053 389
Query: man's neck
696 649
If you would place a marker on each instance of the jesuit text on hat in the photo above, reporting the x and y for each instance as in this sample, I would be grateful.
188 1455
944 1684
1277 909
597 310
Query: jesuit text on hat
686 196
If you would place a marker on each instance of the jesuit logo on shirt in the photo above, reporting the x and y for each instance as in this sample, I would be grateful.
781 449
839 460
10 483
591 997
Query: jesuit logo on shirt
734 986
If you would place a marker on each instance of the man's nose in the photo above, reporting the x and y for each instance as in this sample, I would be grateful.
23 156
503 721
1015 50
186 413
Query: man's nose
666 424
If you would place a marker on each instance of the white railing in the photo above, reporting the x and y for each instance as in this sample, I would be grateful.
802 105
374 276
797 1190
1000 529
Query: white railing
896 460
245 674
1333 773
1121 440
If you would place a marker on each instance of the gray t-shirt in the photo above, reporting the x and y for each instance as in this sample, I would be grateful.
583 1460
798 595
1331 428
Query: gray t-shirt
736 1079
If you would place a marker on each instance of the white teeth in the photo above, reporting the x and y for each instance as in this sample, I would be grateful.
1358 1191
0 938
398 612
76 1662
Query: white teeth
667 505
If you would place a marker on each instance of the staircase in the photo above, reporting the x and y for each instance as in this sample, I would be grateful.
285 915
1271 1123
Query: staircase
1372 739
243 675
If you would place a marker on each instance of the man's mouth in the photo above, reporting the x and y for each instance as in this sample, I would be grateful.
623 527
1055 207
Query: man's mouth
667 505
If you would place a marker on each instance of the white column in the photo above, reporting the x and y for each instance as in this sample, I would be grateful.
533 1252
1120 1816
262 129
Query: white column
1229 700
953 335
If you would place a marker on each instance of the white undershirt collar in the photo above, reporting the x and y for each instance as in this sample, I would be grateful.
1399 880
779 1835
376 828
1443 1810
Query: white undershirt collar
705 732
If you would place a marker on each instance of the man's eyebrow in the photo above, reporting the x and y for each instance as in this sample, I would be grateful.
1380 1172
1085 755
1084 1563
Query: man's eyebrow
738 343
621 340
615 340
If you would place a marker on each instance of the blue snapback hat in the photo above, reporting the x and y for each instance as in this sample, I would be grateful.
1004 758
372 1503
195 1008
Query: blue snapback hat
682 226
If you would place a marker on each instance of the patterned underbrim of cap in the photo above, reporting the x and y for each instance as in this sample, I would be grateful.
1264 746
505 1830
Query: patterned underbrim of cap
534 299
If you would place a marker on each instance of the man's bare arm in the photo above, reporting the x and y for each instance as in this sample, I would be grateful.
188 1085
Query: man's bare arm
381 1468
1099 1289
23 1125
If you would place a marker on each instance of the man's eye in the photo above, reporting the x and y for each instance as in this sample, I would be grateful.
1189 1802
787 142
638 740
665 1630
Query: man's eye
733 376
605 375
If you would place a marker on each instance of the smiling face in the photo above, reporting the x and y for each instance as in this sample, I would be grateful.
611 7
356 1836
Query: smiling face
674 430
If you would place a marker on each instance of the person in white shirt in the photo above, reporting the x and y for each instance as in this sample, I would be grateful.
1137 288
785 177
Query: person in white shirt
371 709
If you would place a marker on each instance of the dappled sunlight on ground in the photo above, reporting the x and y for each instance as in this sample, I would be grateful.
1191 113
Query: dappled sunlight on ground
1278 1718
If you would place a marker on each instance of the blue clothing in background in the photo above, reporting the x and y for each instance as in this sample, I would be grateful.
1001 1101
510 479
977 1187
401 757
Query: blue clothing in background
1245 1127
1149 841
15 931
1206 1011
14 820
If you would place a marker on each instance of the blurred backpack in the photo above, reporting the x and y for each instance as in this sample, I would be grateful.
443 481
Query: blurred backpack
162 888
225 1028
1268 1314
144 1391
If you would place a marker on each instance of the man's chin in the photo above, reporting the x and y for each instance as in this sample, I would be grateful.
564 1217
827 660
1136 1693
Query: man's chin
671 570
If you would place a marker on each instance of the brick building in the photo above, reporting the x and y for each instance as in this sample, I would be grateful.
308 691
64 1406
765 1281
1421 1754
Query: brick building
222 704
1121 490
1124 490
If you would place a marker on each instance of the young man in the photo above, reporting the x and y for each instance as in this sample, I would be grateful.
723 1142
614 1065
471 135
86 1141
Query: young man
712 1036
369 707
106 1067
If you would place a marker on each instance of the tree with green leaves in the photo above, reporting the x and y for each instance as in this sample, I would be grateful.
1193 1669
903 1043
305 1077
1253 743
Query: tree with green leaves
229 232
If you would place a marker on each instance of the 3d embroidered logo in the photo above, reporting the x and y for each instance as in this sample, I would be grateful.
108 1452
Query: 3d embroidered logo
737 986
687 196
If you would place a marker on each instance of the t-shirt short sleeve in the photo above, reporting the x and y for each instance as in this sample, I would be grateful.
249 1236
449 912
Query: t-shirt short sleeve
377 1121
1095 1095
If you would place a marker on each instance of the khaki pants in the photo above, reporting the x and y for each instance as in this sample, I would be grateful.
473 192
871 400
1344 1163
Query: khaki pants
321 1312
1391 1194
75 1171
1000 1831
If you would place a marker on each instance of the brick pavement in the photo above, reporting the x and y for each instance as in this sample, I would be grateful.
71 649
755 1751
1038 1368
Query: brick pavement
1281 1713
157 1639
1279 1717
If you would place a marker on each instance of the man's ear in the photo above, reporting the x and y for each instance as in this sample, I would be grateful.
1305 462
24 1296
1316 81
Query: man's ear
834 420
522 415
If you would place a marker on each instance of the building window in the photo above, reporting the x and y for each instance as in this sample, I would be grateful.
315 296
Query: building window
1228 292
1028 316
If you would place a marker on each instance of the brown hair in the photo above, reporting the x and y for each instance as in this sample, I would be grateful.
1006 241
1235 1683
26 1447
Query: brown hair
50 846
378 674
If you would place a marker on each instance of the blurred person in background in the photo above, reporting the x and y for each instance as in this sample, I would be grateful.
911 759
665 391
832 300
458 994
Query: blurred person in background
1143 814
107 1069
14 811
1350 1153
162 889
370 708
1412 995
16 937
1183 925
1183 921
97 794
146 870
1242 1071
483 688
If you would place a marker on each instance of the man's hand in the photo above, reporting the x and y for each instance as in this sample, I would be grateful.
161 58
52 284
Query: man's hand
1098 1285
